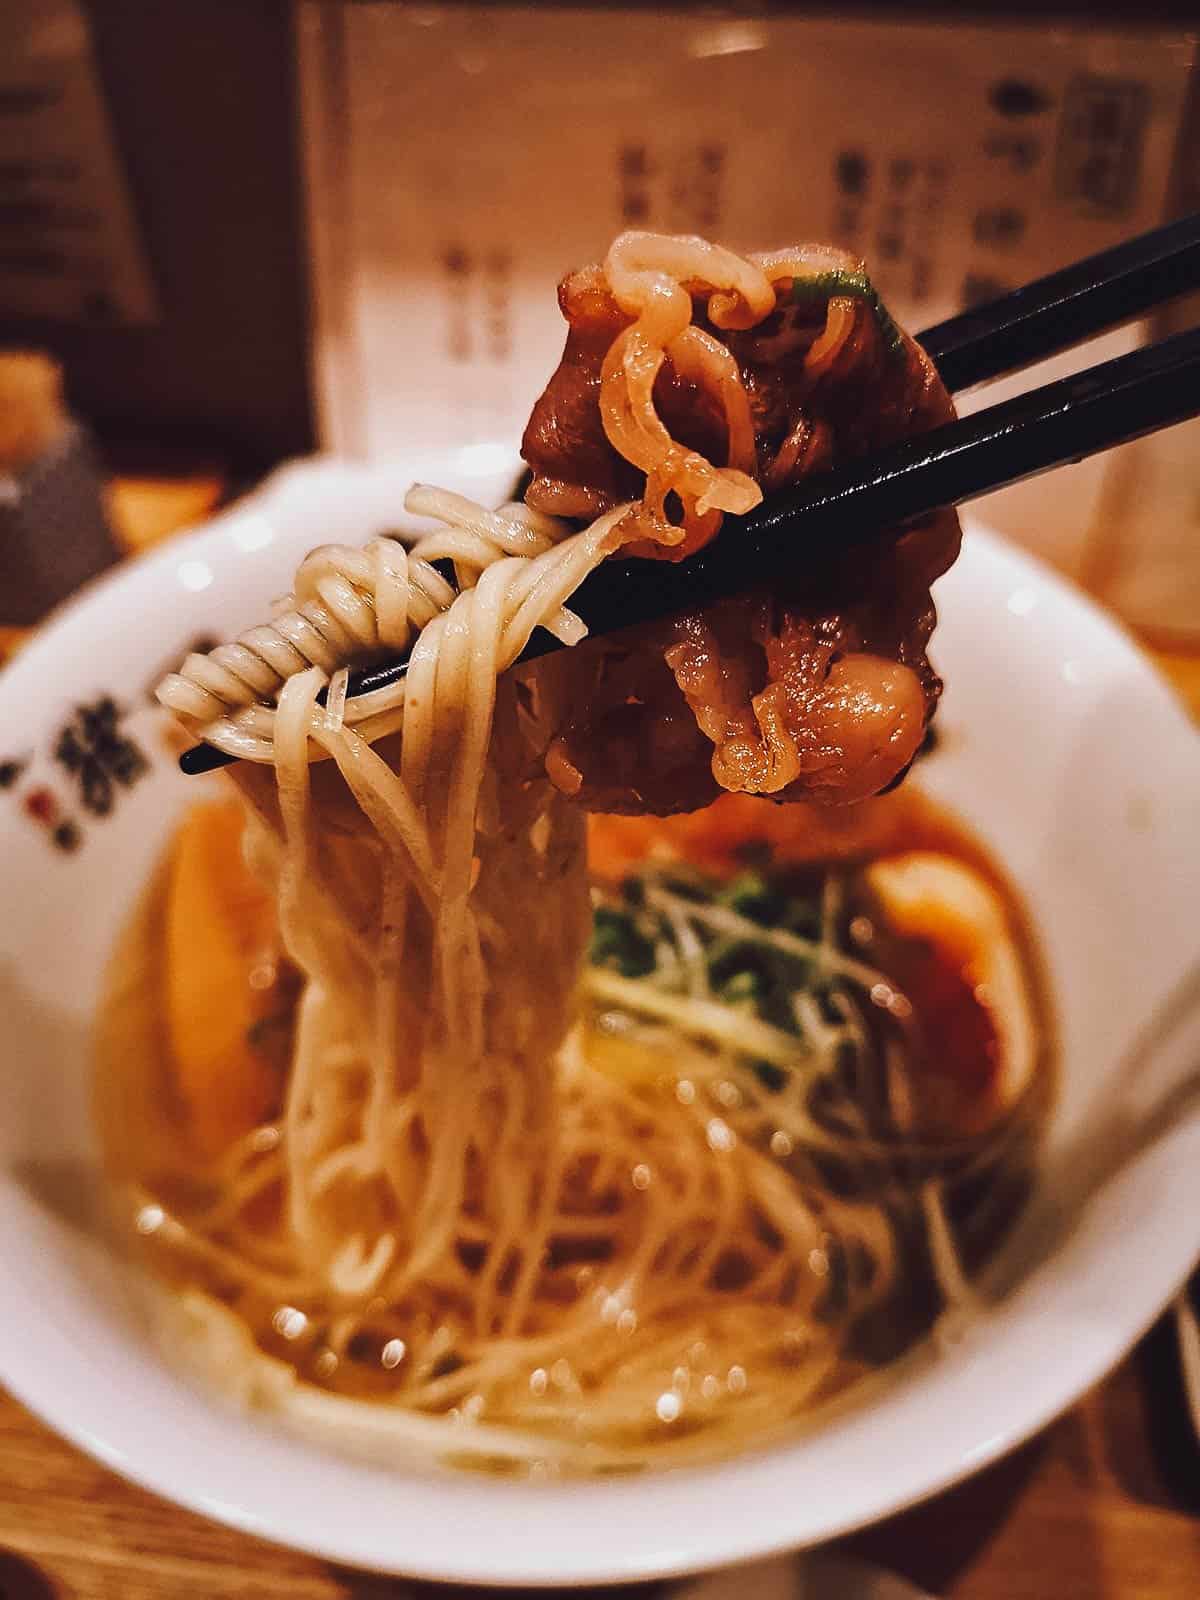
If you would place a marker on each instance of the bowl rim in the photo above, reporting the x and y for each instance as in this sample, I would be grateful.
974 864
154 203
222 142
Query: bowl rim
679 1540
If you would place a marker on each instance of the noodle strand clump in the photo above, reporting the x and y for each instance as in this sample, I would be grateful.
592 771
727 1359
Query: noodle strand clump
529 1256
457 1179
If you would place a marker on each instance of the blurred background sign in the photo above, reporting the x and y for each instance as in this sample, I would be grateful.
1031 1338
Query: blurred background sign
178 315
460 158
69 245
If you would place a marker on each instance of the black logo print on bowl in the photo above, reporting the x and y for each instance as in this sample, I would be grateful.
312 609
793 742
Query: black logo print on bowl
11 769
99 759
92 748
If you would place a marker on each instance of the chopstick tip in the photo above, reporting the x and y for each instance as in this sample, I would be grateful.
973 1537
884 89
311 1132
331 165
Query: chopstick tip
202 758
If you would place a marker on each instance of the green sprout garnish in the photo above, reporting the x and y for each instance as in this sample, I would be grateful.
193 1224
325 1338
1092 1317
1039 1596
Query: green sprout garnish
840 282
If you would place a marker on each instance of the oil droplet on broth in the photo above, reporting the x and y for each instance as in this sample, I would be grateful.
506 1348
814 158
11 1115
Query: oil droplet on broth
721 1137
289 1322
668 1406
610 1309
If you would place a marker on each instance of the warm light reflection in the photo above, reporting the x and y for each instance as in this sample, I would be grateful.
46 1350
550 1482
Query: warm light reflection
727 39
194 575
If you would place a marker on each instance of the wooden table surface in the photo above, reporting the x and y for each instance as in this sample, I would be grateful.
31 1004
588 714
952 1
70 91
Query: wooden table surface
1103 1505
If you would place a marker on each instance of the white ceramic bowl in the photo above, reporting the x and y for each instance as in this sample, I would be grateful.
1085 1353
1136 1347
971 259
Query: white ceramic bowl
1061 747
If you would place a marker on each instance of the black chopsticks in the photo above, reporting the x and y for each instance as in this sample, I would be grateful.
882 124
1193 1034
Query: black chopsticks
1060 422
1053 313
